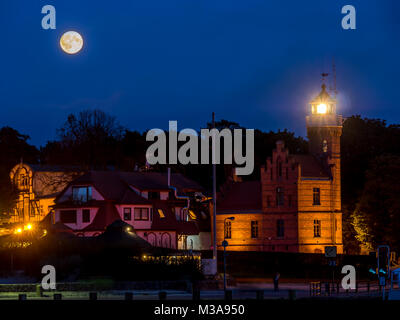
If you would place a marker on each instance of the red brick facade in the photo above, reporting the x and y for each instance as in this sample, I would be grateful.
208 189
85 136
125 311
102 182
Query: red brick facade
296 206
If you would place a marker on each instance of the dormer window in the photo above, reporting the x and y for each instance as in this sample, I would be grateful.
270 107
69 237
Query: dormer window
82 194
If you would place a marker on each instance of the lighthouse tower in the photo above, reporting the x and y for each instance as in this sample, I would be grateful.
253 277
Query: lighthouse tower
324 128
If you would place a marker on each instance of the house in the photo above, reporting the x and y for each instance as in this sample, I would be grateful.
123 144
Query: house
161 208
38 186
296 204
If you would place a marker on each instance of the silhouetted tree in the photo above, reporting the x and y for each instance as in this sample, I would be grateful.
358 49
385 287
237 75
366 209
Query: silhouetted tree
363 140
377 215
90 139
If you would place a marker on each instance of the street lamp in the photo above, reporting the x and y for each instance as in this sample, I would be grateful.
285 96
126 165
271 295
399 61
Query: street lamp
225 244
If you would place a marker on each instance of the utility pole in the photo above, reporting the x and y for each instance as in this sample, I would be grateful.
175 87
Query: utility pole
214 193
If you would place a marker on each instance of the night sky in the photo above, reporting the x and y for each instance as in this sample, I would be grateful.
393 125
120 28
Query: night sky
146 62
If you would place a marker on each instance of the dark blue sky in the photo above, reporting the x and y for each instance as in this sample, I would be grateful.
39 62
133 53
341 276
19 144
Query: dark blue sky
146 62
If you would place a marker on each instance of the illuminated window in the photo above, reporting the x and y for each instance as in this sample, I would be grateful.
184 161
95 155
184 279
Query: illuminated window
280 228
24 181
254 229
127 214
85 215
279 196
317 228
68 216
82 194
316 197
228 229
161 213
192 215
141 214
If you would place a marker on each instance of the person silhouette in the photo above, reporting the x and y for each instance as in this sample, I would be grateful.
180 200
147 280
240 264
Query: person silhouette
276 281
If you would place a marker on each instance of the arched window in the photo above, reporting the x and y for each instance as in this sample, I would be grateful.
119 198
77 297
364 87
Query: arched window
151 238
228 230
166 240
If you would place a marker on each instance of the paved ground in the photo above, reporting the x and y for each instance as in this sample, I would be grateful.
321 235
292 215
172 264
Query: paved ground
244 289
241 292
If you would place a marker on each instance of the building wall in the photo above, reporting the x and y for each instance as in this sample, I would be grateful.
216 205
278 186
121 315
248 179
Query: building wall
241 231
202 241
136 224
79 225
329 212
165 239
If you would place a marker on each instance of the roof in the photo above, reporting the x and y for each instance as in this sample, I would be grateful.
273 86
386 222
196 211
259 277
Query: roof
114 185
111 186
54 168
106 215
169 222
159 181
323 96
240 196
120 235
310 166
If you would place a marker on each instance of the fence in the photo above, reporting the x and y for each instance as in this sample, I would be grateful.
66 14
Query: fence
319 288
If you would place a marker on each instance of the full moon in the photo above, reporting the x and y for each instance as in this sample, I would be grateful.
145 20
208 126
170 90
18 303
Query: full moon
71 42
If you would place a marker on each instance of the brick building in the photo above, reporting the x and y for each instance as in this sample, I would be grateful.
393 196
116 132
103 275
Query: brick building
296 205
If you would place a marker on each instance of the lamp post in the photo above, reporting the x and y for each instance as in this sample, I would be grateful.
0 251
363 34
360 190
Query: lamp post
225 244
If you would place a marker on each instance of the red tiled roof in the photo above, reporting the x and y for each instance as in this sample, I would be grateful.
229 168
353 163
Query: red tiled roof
240 196
114 185
159 181
170 222
106 215
310 166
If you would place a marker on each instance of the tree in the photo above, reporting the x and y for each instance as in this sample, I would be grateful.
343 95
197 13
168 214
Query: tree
362 141
376 218
90 139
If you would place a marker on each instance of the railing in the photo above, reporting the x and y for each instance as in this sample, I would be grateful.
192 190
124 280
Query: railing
319 288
